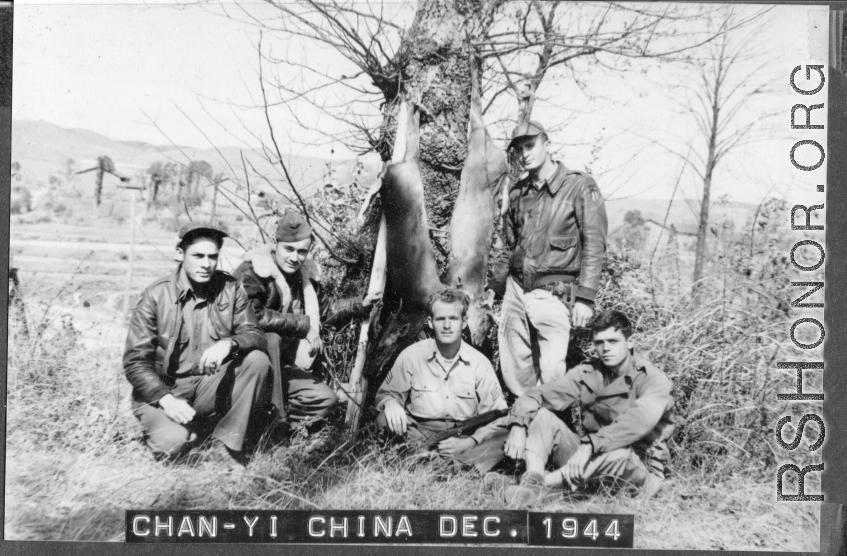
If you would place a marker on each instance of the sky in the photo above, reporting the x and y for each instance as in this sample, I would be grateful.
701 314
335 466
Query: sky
168 73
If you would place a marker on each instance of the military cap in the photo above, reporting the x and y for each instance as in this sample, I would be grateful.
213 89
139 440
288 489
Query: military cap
292 227
525 129
191 229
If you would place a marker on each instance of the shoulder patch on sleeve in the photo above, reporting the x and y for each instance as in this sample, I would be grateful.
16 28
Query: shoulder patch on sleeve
592 190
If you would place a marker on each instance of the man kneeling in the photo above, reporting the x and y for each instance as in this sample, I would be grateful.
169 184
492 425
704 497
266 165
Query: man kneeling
627 415
283 287
193 351
435 384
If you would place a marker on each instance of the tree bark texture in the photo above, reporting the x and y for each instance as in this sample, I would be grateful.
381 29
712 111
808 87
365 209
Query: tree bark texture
435 60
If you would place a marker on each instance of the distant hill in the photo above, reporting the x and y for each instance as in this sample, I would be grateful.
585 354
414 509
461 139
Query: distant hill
42 149
682 215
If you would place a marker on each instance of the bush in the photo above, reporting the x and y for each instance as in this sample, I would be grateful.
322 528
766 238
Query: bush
21 200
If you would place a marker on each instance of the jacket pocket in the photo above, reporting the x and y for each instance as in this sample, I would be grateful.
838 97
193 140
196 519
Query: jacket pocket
563 252
425 398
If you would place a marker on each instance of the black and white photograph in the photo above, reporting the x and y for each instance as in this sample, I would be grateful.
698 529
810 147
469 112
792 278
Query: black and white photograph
420 272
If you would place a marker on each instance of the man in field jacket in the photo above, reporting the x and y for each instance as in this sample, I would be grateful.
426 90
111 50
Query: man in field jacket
194 349
627 416
556 227
282 284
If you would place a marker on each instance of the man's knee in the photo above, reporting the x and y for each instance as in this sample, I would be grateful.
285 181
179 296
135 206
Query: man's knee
256 363
326 394
381 421
545 420
168 442
274 340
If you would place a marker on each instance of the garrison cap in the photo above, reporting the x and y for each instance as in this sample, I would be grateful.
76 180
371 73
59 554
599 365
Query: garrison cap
292 227
191 229
525 129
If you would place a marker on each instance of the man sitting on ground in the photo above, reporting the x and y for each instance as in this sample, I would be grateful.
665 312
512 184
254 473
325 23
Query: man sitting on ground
437 383
627 416
282 283
193 351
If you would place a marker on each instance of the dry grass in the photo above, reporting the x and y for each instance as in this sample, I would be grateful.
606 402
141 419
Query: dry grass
75 460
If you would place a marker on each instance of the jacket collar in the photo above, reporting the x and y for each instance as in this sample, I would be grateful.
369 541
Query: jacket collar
554 182
182 285
636 366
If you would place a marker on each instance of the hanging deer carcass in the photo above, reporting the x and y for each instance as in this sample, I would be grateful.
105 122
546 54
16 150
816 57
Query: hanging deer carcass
412 273
472 224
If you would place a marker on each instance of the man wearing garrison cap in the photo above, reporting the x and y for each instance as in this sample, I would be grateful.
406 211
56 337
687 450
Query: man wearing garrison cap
282 283
555 225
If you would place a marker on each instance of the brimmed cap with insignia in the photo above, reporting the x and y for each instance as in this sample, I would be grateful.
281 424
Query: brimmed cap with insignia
526 129
192 229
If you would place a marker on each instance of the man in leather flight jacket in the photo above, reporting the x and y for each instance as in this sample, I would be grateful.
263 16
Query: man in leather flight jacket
193 351
556 227
282 284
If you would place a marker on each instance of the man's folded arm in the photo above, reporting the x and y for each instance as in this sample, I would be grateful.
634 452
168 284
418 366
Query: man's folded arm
338 312
247 334
557 395
140 352
284 324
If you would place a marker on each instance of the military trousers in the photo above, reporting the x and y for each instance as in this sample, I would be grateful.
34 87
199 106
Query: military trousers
420 433
533 336
550 439
303 393
226 399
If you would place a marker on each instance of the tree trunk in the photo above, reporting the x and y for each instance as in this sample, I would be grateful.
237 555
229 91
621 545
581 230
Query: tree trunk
98 191
214 199
435 59
700 250
711 162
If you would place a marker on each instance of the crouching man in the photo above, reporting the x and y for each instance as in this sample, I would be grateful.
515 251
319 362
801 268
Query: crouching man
282 284
627 415
194 352
437 383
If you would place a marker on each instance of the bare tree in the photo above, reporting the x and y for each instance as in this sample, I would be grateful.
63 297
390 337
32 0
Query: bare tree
533 39
721 101
428 66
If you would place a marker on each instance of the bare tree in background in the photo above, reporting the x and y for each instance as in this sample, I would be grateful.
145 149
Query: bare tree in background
429 66
722 102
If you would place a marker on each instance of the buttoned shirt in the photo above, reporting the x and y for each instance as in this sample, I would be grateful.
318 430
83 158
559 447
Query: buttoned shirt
631 408
195 335
427 391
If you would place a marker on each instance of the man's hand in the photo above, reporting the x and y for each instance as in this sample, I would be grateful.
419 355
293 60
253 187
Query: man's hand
370 299
455 445
315 343
213 357
574 469
395 417
582 313
177 409
516 443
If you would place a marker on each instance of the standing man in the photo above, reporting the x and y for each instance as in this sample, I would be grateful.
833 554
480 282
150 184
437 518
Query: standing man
627 415
282 284
556 225
194 351
437 383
